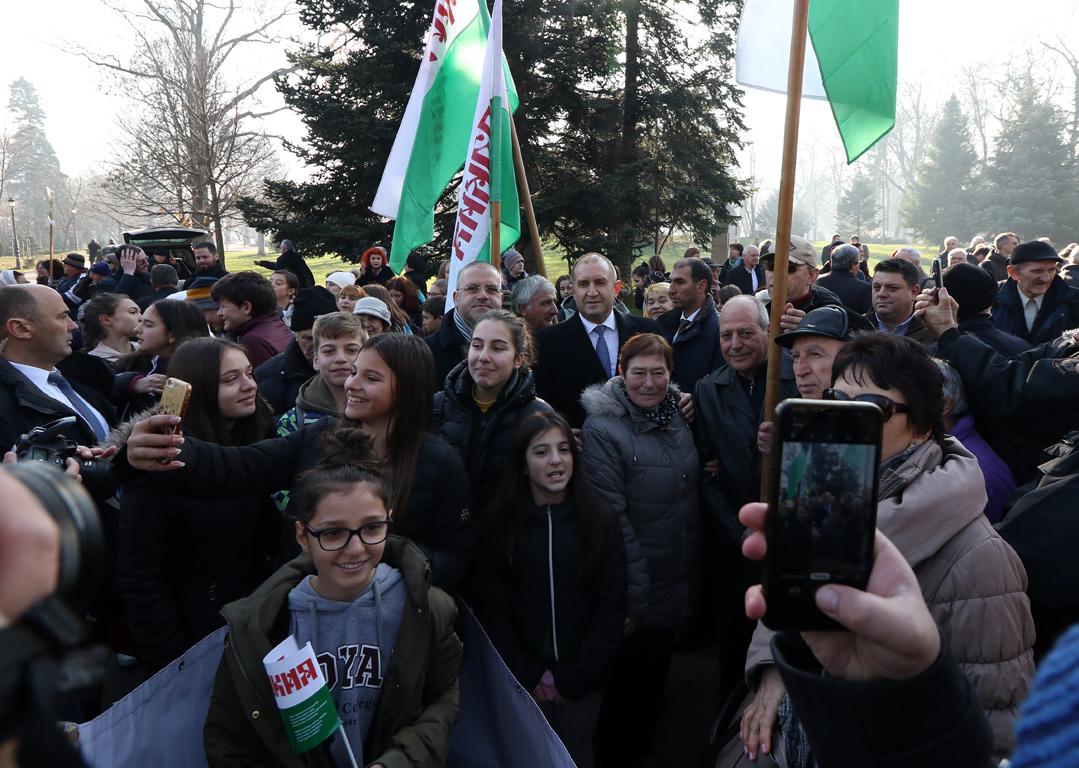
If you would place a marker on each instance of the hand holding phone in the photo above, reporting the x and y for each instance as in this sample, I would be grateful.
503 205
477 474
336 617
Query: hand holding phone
892 634
174 401
823 507
938 281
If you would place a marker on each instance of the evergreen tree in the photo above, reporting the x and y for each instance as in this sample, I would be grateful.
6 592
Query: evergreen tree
34 166
940 200
858 211
626 128
1031 179
769 218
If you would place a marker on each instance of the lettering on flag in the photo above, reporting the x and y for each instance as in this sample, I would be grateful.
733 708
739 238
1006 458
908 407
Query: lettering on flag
472 218
301 694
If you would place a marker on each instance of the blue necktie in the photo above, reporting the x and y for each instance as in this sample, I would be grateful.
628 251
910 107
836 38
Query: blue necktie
77 403
601 350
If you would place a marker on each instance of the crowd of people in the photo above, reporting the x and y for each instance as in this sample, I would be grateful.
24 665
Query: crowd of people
585 478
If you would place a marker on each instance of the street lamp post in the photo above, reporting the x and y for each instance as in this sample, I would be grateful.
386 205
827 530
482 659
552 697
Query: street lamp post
75 227
14 233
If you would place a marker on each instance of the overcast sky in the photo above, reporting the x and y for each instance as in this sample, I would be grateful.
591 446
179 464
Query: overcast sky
936 38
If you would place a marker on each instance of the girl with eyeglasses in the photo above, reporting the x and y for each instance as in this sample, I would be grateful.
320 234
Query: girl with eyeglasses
930 505
389 395
181 556
383 637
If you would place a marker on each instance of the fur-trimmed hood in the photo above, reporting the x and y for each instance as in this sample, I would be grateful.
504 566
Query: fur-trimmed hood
607 401
119 435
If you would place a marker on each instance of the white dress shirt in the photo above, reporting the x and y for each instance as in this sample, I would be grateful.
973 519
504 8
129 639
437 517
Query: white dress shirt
610 336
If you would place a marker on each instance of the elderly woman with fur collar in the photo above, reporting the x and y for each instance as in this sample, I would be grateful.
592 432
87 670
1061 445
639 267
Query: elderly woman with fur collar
639 453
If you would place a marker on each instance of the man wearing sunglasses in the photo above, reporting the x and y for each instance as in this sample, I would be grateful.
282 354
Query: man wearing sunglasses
813 346
802 295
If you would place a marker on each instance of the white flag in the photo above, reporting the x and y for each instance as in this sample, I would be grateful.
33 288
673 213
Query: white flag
762 56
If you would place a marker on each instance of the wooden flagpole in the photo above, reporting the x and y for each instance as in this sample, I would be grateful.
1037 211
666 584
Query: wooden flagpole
786 210
526 198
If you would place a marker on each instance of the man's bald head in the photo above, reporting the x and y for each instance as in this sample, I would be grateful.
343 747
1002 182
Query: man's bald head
20 301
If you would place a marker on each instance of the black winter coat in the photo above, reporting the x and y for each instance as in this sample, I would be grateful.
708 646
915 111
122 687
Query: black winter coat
1021 405
483 440
281 377
696 352
438 517
1059 312
996 264
855 293
586 620
181 559
448 347
726 428
135 287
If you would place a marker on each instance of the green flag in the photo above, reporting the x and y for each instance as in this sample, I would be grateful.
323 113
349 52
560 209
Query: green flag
795 474
857 47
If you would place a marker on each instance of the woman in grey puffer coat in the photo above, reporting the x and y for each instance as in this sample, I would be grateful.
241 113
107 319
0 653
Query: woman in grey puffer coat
639 453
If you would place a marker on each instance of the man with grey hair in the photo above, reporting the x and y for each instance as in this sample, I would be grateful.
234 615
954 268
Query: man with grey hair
914 256
951 242
478 291
730 409
533 300
290 261
583 350
843 280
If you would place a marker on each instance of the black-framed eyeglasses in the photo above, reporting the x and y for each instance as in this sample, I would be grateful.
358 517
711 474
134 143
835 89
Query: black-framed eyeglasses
333 539
885 403
792 266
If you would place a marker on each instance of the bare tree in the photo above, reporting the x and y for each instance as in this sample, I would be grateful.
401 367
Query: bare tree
191 149
1072 61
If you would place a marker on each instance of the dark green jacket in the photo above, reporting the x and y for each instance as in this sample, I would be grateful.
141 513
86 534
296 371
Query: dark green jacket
419 703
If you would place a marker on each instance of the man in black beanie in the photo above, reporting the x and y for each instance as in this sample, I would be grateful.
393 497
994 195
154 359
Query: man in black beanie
976 291
281 377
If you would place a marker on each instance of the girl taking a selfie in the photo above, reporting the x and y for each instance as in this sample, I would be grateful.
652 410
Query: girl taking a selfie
182 558
389 395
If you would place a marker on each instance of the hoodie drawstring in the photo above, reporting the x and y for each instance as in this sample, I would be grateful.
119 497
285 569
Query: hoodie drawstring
378 624
550 570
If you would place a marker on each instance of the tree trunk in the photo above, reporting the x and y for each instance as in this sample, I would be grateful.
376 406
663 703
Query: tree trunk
215 216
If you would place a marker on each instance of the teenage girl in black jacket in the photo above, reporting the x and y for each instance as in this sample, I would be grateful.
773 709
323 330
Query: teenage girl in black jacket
551 586
181 558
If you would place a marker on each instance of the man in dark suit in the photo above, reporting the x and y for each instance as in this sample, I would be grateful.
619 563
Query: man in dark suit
843 280
749 275
36 335
573 355
478 291
692 330
290 261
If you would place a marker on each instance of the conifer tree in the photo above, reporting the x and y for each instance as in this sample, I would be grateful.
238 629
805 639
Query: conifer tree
940 200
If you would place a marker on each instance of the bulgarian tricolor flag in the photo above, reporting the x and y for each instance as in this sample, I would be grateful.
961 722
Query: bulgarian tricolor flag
434 136
302 696
488 174
856 43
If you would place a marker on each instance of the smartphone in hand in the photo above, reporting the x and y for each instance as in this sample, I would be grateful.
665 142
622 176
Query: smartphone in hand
822 510
938 281
174 401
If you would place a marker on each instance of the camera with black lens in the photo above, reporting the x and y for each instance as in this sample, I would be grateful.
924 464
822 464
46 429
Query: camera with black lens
49 640
47 444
